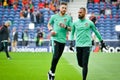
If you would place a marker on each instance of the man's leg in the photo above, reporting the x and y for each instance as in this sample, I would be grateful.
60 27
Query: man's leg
6 49
57 52
79 56
83 57
86 53
1 46
15 45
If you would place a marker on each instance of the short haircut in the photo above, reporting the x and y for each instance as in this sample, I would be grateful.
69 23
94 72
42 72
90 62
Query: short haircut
8 22
63 3
83 8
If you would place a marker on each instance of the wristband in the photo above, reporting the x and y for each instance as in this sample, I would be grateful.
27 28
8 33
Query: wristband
66 27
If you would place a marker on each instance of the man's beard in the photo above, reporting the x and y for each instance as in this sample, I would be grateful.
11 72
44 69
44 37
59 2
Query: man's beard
63 13
80 17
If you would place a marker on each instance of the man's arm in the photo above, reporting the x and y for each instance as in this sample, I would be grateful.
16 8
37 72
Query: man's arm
1 29
95 31
51 21
72 32
103 45
49 27
70 25
72 38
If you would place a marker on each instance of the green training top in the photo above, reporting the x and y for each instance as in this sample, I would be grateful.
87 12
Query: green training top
82 30
60 32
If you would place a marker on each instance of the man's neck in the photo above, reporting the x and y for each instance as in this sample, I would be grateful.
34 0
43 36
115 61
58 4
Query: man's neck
61 14
82 19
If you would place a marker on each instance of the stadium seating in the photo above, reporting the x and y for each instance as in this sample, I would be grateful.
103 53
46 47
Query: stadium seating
106 23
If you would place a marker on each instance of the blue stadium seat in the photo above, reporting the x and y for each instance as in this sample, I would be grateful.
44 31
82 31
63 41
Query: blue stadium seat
90 10
101 28
101 16
102 32
102 23
90 4
11 19
96 6
1 12
102 4
114 7
108 30
114 21
107 22
108 5
20 35
96 11
15 24
97 24
90 7
51 12
107 35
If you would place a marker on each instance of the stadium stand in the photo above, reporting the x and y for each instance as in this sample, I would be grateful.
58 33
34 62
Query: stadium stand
108 17
105 25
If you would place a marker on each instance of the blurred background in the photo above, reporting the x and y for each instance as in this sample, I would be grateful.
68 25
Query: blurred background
30 18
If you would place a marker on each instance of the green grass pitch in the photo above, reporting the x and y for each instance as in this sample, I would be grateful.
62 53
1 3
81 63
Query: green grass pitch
34 66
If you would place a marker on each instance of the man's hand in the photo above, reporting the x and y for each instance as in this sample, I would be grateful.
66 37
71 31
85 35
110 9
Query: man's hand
71 46
53 33
62 25
103 45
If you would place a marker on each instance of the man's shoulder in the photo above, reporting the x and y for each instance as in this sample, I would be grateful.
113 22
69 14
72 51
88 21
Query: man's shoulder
67 15
76 21
2 27
55 15
88 20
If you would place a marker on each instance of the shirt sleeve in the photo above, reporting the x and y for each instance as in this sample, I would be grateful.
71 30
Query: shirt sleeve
95 31
51 21
70 22
72 32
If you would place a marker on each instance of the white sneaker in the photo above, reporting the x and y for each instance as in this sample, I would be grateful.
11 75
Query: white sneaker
51 76
8 58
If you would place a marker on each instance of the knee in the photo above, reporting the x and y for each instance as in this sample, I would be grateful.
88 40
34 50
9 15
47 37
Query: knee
55 57
85 65
80 64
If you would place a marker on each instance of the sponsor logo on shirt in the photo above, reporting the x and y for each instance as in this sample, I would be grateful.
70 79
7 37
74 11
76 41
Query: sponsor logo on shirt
65 20
86 24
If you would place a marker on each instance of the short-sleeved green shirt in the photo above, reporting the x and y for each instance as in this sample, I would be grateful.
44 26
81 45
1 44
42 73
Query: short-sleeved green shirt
60 32
82 30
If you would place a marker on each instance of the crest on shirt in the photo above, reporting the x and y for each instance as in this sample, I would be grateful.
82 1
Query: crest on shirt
65 20
86 24
55 19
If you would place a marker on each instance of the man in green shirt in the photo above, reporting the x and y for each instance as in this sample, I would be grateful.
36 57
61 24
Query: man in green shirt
58 25
82 29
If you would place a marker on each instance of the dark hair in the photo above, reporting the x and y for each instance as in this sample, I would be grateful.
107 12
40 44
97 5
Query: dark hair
63 3
83 8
